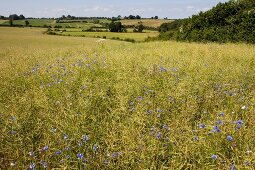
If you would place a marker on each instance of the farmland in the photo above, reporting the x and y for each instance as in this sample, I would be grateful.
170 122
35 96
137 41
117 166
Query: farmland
79 103
146 22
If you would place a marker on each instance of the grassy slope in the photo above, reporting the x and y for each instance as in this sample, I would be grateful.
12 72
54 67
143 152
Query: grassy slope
140 104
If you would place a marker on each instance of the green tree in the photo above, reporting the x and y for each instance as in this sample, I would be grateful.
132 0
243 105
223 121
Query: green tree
26 23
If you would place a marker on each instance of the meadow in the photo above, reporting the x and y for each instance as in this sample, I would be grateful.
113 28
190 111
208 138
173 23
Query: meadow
146 22
79 103
111 35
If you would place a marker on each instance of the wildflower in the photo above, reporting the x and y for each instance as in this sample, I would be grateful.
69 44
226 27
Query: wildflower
159 135
13 118
67 156
131 103
95 147
201 126
163 69
44 164
80 144
32 166
222 114
139 98
216 129
244 107
13 132
214 157
115 155
65 136
165 127
232 167
196 138
229 138
219 122
247 163
149 112
80 156
67 148
54 130
132 109
45 148
106 162
58 152
12 163
85 138
32 154
239 122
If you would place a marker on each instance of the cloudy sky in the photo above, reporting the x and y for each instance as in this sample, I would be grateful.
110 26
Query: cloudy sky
145 8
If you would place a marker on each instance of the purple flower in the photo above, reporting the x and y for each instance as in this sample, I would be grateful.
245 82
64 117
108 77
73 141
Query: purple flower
32 166
85 138
95 147
232 167
165 127
163 69
45 148
159 135
201 126
67 156
196 138
229 138
58 152
106 162
222 114
44 164
219 122
65 136
80 156
216 129
67 148
13 132
214 157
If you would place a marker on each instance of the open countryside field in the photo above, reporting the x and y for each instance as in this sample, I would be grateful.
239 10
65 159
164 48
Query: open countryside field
110 35
146 22
76 103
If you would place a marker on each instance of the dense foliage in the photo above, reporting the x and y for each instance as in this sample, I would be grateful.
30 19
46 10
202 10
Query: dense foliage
232 21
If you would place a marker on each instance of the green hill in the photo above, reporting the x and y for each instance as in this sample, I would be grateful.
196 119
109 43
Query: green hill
233 21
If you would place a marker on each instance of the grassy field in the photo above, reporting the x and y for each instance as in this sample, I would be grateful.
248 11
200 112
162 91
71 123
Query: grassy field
110 35
76 103
146 22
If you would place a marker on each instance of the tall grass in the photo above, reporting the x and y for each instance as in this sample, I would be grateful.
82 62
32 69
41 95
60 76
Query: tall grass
157 105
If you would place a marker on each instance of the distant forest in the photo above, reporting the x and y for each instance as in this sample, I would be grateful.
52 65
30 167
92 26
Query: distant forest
233 21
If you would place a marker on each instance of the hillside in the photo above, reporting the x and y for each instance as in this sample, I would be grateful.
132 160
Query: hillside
233 21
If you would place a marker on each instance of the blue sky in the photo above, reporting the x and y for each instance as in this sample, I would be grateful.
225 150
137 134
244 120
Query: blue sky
108 8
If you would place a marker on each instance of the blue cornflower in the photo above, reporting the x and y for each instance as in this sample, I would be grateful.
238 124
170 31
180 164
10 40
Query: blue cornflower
219 122
214 157
163 69
106 162
65 136
58 152
45 148
159 135
239 122
232 167
216 129
95 147
165 127
196 138
222 114
32 166
44 164
201 126
80 156
13 132
229 138
85 138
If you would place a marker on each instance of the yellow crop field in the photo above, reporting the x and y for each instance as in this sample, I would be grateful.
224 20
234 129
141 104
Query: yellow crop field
87 103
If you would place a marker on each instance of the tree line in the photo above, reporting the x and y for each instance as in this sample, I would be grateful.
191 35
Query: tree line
233 21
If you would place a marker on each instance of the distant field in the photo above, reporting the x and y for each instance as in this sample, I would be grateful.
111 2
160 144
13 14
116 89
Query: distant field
2 21
109 35
146 22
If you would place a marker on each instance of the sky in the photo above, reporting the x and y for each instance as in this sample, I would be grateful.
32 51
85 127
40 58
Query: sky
172 9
